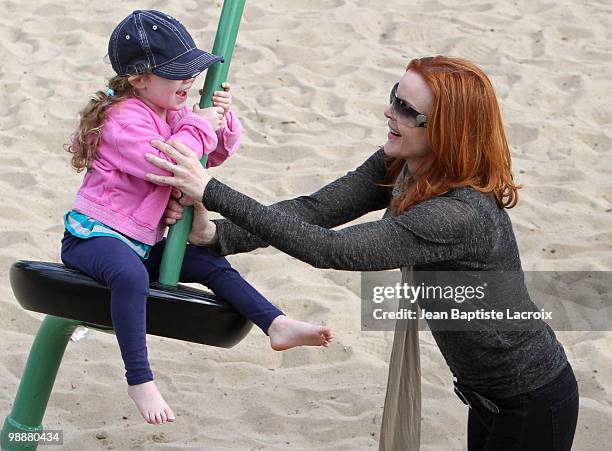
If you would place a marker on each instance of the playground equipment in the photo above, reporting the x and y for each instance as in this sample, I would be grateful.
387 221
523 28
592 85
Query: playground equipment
71 299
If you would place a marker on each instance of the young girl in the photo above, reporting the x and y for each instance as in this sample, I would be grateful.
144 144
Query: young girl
114 232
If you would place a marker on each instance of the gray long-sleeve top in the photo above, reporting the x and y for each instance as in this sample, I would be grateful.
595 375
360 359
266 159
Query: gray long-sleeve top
462 230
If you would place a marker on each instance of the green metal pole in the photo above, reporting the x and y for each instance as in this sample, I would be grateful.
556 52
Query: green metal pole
225 39
37 381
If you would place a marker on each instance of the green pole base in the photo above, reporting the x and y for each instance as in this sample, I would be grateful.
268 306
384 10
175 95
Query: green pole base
37 382
13 427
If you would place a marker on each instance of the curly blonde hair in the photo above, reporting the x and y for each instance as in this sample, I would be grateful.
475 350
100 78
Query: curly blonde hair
86 138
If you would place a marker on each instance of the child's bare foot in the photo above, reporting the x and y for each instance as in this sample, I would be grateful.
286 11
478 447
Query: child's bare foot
150 403
286 333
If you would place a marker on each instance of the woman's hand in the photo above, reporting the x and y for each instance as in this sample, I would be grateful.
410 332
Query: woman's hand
203 230
188 174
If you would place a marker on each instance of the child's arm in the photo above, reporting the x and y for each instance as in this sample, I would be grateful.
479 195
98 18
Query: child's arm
197 133
228 140
228 134
130 135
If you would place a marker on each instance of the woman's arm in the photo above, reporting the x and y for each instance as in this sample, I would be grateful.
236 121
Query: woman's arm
436 230
443 228
339 202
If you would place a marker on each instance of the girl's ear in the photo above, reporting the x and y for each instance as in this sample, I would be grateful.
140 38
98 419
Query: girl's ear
138 81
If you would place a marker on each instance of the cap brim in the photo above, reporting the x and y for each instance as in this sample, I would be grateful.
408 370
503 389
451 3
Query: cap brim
187 66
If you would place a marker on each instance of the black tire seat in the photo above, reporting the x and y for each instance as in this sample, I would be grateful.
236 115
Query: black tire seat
181 312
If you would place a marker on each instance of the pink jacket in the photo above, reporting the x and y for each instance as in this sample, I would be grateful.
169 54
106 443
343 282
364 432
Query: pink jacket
115 190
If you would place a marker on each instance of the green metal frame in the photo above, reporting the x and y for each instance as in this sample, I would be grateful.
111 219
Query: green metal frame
225 40
37 381
52 338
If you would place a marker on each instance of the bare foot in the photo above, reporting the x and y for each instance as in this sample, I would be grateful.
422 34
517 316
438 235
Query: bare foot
286 333
150 403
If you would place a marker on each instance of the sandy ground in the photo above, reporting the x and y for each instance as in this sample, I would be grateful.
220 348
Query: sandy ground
310 83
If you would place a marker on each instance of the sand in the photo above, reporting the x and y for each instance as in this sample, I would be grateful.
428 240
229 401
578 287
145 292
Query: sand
310 83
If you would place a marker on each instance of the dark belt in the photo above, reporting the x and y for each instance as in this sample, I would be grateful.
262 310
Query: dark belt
486 403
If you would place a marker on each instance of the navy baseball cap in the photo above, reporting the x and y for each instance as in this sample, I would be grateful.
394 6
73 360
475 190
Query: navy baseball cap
149 40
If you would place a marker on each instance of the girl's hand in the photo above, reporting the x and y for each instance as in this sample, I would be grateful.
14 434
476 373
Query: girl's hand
174 209
188 175
214 115
223 98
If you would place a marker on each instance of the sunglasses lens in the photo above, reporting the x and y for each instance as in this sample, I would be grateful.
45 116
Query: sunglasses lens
392 93
402 109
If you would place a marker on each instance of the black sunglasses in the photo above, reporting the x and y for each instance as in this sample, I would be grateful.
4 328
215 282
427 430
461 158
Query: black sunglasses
405 111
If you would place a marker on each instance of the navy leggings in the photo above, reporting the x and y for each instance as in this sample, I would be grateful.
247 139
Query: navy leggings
112 263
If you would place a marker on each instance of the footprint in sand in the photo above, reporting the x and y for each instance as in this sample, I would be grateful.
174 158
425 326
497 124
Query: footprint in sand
519 134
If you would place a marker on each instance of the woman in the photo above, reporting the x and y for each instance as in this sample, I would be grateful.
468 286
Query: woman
444 176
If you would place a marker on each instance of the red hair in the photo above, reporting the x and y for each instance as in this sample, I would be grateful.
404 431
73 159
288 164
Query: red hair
466 135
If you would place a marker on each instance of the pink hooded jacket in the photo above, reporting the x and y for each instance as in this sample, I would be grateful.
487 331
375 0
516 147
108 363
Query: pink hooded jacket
115 191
